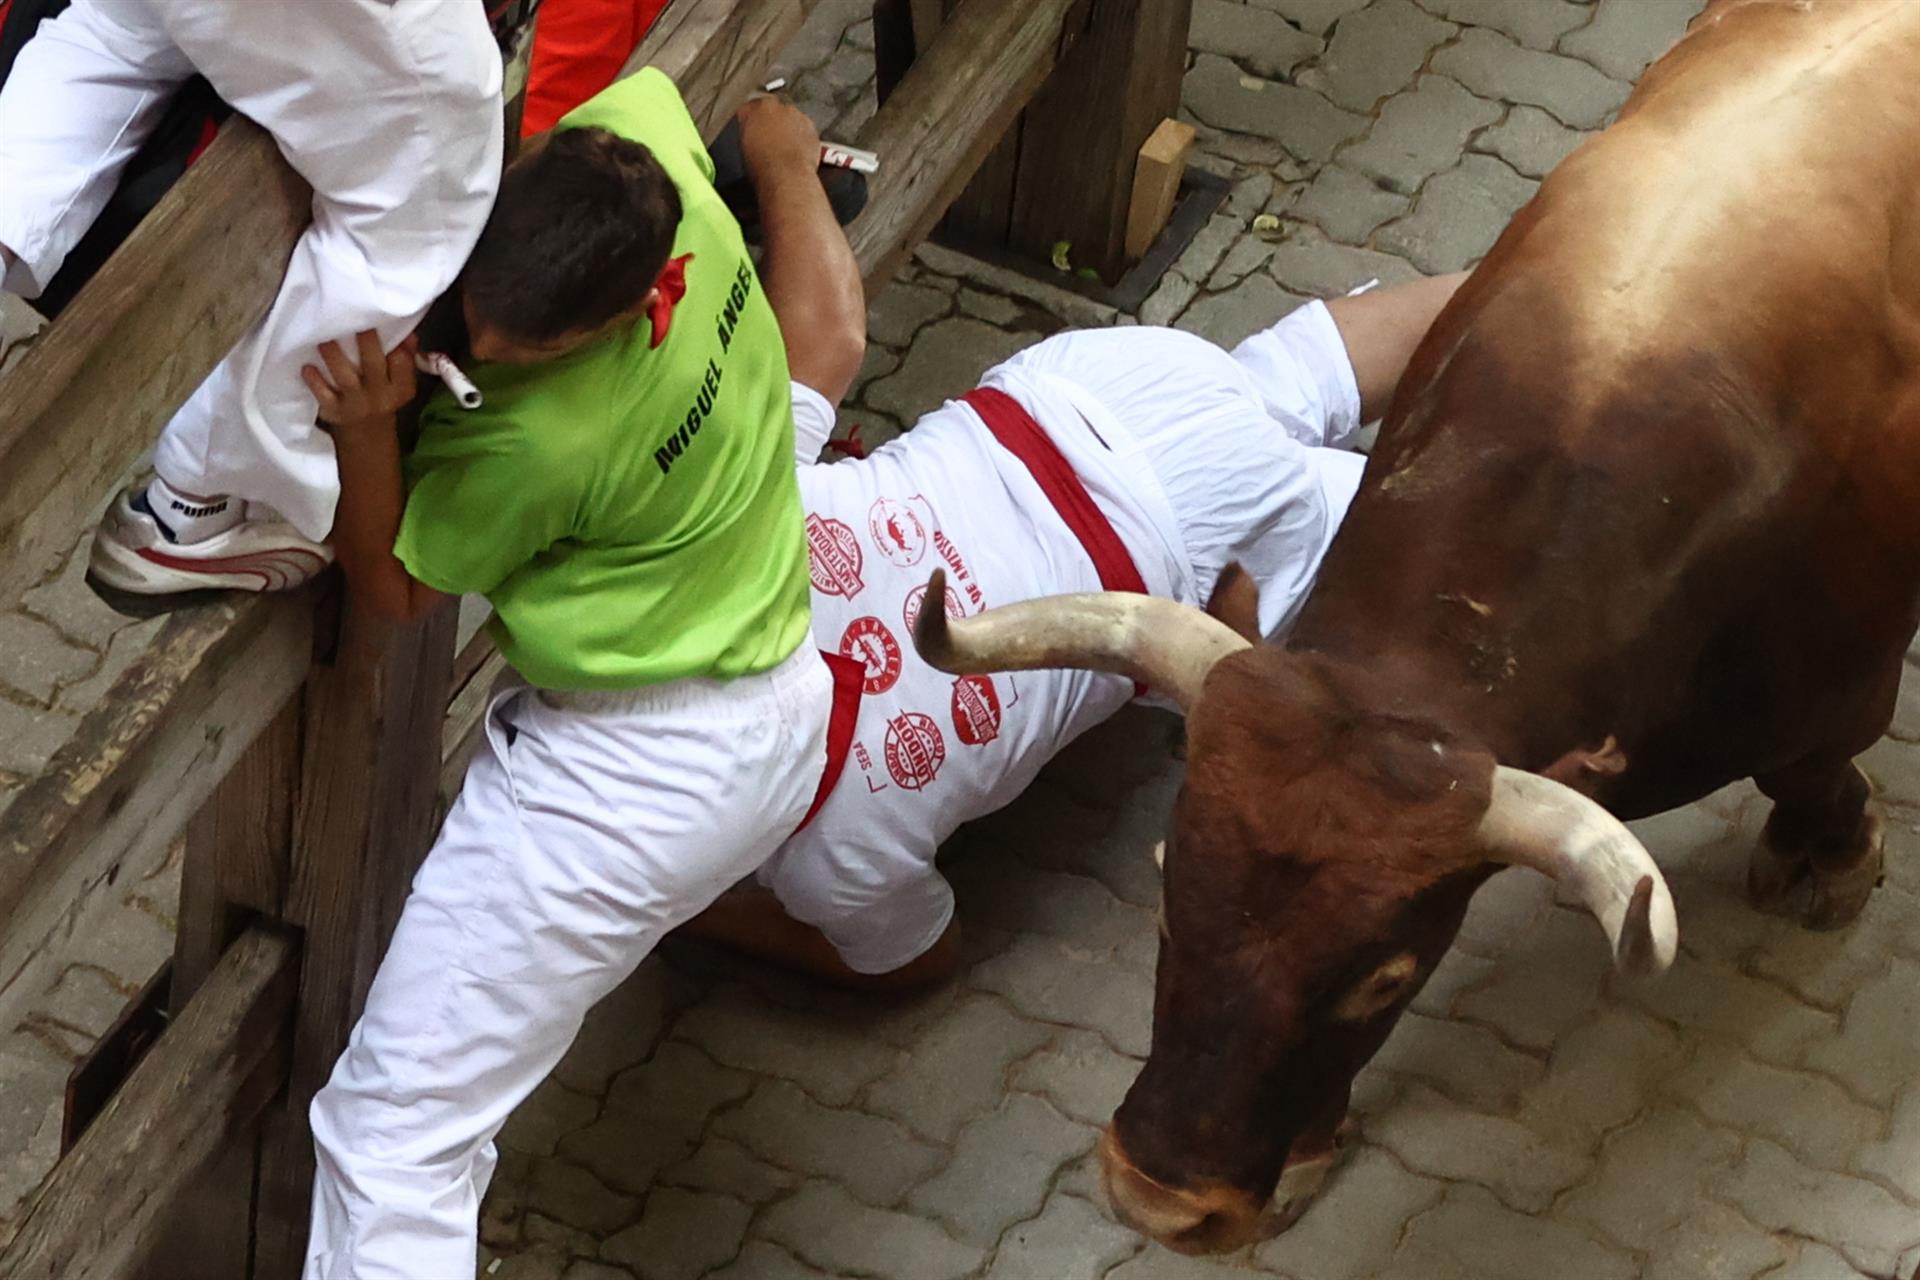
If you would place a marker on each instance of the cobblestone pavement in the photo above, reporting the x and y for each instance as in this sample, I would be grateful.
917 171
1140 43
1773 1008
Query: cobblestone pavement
1534 1118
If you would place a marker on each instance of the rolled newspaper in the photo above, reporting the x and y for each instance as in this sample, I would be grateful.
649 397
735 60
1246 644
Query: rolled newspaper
441 366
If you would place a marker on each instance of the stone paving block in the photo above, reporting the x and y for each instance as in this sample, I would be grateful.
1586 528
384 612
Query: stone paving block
1896 1158
726 1166
1248 255
1440 1138
1600 1076
830 1062
1375 52
1626 35
1863 1222
1530 140
1769 1022
1003 1165
946 358
1546 983
1456 972
1466 1063
994 308
543 1262
582 1269
1070 1240
1809 1115
622 1029
822 1225
822 33
653 1117
1714 1243
538 1228
1881 1038
1345 205
70 605
1459 214
1080 1074
1503 910
1168 299
761 1261
1650 1176
1351 1230
1419 133
1816 1262
1534 23
875 1159
1472 1236
29 736
878 362
1157 1263
1493 66
681 1236
958 1069
1224 232
902 310
1262 42
574 1196
35 659
1237 313
1054 983
1302 121
1315 16
32 1091
548 1115
945 267
1308 265
1009 894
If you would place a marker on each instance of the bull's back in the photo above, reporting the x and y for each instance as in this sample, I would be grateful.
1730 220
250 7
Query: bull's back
1675 405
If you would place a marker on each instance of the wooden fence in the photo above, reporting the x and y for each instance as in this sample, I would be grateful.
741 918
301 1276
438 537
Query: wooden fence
301 748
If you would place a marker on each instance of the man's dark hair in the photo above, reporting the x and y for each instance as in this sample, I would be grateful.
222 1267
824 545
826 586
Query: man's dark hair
581 230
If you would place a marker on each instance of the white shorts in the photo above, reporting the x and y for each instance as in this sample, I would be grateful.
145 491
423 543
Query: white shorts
588 828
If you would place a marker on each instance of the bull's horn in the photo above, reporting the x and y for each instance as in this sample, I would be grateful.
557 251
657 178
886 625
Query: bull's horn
1539 823
1166 646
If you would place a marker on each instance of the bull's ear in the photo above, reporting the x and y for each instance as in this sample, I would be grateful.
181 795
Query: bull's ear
1379 990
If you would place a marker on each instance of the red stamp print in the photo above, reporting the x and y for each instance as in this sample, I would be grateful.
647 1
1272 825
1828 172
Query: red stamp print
914 597
833 557
963 578
898 532
915 750
868 642
976 710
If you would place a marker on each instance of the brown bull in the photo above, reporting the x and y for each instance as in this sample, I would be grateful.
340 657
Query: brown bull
1642 521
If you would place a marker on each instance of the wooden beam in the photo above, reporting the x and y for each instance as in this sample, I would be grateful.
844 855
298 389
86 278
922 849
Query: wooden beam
1156 184
719 51
98 385
946 116
139 766
208 1077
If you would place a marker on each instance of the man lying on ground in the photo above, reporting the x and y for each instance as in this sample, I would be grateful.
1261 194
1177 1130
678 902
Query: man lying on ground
591 823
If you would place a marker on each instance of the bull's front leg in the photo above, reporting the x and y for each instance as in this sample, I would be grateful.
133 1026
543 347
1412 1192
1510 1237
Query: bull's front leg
1825 831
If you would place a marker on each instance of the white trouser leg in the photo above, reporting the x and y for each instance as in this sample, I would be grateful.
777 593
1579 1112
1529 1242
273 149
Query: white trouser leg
391 110
569 854
83 95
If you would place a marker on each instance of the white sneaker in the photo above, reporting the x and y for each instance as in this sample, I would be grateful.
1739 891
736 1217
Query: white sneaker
134 556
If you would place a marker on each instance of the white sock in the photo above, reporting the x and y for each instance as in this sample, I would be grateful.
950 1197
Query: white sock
188 518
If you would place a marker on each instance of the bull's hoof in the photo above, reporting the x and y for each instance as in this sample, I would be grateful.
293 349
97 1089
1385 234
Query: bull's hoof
1773 875
1840 895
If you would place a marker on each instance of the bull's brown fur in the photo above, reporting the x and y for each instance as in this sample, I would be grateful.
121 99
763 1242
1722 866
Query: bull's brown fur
1645 515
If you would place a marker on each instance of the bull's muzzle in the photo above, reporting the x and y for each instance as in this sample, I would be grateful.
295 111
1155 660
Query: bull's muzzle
1208 1219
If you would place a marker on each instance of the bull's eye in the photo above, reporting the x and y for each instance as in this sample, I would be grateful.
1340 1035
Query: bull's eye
1378 990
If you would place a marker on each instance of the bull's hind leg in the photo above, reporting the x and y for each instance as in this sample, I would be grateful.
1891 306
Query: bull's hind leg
1825 832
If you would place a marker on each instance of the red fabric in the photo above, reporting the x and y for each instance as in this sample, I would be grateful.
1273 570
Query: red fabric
209 128
672 285
1024 438
849 676
579 47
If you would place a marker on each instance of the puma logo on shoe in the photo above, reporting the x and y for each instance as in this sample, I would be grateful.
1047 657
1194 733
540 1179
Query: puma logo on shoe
192 512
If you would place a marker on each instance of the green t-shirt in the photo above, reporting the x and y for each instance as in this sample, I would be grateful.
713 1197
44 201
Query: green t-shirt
631 512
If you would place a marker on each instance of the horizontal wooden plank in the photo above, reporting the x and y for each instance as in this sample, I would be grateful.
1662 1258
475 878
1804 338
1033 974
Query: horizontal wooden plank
139 766
946 116
211 1073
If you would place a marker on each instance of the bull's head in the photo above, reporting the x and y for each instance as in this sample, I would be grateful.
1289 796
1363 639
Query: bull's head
1323 850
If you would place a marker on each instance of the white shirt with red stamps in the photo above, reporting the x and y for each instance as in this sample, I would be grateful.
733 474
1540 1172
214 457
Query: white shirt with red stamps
930 751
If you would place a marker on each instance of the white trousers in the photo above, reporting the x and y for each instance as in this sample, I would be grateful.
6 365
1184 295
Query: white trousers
389 108
582 836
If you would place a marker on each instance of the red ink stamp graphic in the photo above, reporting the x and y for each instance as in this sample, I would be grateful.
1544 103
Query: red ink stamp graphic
868 642
976 710
914 598
915 750
833 557
898 532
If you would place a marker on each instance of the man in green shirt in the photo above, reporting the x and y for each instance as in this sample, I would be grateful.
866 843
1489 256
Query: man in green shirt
626 498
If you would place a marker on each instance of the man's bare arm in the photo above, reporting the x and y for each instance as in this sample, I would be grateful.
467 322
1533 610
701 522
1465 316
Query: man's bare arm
812 280
1381 329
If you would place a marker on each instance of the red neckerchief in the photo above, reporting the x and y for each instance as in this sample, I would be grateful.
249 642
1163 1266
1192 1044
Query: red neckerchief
670 288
